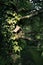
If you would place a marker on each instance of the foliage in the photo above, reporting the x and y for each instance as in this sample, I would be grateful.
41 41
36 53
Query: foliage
24 47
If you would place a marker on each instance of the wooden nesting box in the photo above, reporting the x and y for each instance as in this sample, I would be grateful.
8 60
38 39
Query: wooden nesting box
17 29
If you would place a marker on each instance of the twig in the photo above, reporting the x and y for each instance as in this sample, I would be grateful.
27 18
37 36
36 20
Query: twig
32 14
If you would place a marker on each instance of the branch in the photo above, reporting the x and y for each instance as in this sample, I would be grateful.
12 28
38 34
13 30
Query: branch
21 35
24 37
32 14
29 39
